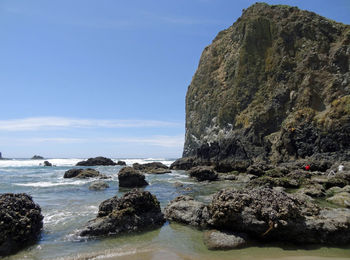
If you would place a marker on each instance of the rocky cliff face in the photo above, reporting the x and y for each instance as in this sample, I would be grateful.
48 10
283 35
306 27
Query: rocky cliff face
274 86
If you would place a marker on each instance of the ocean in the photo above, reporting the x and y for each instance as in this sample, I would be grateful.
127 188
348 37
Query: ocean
67 204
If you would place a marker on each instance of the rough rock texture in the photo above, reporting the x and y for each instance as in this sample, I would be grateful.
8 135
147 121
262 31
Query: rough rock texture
20 222
96 161
274 215
135 211
342 199
130 178
98 185
37 157
153 167
221 240
274 86
84 173
203 173
184 209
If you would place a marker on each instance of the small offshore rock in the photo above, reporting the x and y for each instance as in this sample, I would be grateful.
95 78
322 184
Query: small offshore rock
37 157
135 211
130 178
84 173
47 163
98 185
97 161
20 222
186 210
224 240
203 173
121 163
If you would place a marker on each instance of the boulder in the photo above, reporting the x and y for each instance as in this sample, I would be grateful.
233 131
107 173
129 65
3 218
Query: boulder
121 163
98 185
224 240
203 173
153 168
315 190
20 222
97 161
185 163
186 210
47 163
273 215
135 211
342 199
84 173
130 178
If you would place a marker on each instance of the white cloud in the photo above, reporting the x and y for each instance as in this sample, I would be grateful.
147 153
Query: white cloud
45 123
161 141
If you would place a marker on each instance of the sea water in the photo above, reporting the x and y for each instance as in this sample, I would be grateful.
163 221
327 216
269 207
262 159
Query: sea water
67 204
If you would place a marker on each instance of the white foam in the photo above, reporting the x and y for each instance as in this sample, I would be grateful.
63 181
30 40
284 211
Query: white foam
43 184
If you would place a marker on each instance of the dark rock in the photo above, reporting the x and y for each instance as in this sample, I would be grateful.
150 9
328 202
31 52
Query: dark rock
183 164
121 163
99 185
273 215
336 181
267 181
258 169
184 209
97 161
84 173
20 222
203 173
47 163
153 167
37 157
135 211
130 178
224 240
314 190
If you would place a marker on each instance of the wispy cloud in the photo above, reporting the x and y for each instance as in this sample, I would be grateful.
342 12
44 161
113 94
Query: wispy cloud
161 141
47 123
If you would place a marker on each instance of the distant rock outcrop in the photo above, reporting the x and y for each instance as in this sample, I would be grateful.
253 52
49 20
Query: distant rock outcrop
37 157
274 86
47 163
20 222
153 168
97 161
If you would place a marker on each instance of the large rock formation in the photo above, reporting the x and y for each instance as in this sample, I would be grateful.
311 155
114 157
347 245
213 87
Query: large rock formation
20 222
274 86
97 161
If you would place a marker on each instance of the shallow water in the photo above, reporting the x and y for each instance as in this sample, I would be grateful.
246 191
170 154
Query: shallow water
67 204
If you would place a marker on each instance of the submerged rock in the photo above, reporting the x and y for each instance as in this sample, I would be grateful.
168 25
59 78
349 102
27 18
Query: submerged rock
135 211
130 178
186 210
97 161
153 168
98 185
203 173
84 173
20 222
223 240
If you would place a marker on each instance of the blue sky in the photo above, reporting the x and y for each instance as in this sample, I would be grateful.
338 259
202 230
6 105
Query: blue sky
83 78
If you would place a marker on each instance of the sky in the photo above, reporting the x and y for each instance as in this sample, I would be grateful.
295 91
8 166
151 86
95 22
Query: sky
83 78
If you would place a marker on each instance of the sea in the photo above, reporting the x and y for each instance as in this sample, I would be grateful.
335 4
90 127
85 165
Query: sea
67 204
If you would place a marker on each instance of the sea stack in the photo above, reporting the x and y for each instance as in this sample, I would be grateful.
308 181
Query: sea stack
273 87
